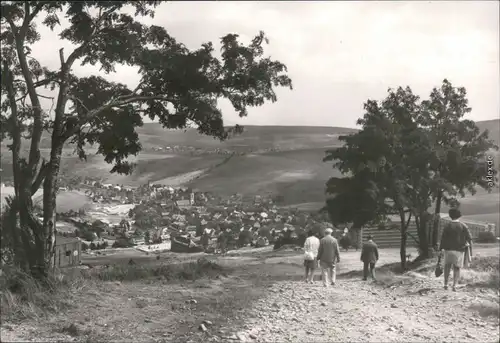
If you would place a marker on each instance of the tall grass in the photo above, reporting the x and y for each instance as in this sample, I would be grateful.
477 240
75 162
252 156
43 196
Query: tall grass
483 272
23 297
174 272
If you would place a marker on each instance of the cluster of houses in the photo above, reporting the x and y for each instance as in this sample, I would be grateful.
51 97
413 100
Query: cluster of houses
163 212
109 193
181 212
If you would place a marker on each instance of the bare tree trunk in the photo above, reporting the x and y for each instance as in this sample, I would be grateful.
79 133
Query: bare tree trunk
402 249
356 237
29 228
405 223
13 221
422 222
33 240
50 186
25 172
435 224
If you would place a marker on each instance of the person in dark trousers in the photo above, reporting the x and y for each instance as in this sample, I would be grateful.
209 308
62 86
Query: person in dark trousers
369 257
205 240
222 242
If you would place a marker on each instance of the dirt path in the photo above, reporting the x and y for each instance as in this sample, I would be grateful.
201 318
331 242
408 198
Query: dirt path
357 311
264 300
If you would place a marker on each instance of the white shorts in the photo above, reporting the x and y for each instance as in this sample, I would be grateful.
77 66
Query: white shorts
453 257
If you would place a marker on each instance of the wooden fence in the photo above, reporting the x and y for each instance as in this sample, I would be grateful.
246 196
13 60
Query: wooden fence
391 237
476 227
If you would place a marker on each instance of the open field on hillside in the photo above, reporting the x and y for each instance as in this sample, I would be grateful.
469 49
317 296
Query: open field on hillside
158 166
69 201
296 171
259 296
493 127
150 167
66 200
254 138
297 175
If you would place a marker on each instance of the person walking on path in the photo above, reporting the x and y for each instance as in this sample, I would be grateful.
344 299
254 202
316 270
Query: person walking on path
205 240
369 257
311 247
455 239
328 255
222 242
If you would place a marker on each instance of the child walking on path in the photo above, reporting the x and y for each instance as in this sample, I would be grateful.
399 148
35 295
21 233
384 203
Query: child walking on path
455 239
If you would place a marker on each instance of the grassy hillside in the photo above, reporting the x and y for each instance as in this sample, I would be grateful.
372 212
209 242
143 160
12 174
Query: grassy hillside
68 201
154 166
150 167
493 126
298 175
254 138
257 138
280 160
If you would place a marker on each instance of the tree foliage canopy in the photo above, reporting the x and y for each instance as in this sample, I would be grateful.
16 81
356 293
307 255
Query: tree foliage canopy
458 146
178 87
407 154
377 158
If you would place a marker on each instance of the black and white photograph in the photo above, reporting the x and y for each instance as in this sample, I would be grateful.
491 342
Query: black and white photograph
250 171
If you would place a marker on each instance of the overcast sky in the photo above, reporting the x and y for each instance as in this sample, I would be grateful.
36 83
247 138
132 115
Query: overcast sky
339 54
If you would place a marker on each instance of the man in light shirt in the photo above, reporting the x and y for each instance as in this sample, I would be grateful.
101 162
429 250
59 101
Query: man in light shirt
311 247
